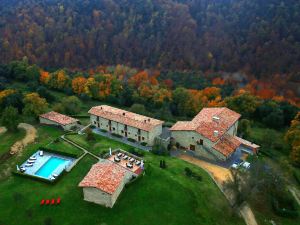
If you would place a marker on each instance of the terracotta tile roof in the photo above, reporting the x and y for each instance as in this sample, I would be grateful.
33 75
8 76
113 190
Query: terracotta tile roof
227 145
209 120
106 176
58 118
125 117
247 143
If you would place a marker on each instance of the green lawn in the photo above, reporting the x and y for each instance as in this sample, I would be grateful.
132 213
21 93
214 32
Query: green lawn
160 197
9 138
64 146
99 145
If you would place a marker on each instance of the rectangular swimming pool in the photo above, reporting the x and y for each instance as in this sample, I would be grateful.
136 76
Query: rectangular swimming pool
51 166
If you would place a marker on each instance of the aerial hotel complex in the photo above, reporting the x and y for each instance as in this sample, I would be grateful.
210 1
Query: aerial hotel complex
211 134
127 124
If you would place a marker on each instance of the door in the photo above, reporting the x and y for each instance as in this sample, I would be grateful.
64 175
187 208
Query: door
192 147
139 138
125 133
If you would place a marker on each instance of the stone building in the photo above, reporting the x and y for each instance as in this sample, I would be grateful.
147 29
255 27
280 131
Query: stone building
211 134
127 124
59 120
104 183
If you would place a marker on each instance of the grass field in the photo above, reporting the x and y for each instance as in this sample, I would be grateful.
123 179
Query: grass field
9 138
99 145
160 197
63 146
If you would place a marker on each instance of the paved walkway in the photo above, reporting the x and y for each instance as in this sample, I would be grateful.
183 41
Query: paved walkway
29 138
123 139
220 175
78 146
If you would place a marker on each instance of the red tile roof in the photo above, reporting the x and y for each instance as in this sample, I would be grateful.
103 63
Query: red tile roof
227 145
106 176
125 117
58 118
205 124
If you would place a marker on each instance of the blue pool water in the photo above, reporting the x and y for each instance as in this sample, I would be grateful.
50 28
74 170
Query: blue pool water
50 166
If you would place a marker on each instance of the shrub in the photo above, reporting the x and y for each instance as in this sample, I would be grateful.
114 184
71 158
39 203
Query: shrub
92 126
190 173
104 131
131 140
143 143
116 135
56 140
136 152
297 177
159 149
162 164
90 135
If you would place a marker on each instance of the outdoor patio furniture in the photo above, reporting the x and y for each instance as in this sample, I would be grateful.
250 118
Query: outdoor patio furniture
41 153
43 202
55 175
30 161
137 163
125 157
129 165
28 164
120 155
32 158
132 160
116 159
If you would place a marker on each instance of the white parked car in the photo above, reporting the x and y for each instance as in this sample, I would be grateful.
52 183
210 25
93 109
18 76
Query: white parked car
246 165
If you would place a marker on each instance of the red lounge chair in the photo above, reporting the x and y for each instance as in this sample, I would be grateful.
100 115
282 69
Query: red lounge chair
43 201
58 201
52 201
47 202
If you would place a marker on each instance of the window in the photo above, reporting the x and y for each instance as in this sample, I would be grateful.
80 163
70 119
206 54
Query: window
193 138
95 122
122 131
143 138
114 128
201 142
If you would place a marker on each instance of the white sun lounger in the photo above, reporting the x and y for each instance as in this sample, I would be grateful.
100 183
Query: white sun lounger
30 161
32 158
28 164
41 153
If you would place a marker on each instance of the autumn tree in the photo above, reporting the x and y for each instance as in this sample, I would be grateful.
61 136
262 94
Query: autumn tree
180 104
78 85
34 105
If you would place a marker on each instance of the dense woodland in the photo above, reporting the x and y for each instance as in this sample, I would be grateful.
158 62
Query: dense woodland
259 37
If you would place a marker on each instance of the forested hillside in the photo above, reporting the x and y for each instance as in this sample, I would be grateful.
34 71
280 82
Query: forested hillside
258 37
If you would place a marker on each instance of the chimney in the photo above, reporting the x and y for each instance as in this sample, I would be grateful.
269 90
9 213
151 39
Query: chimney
100 107
123 114
216 133
216 118
149 120
145 121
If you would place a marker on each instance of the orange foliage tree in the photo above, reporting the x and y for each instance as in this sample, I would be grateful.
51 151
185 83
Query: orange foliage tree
78 85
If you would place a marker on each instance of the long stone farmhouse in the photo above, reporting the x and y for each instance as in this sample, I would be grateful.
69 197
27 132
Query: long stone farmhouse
127 124
211 134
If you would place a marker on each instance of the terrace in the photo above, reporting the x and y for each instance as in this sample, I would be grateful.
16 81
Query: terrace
127 160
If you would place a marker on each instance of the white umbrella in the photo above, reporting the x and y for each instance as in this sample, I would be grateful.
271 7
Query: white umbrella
18 168
142 164
109 151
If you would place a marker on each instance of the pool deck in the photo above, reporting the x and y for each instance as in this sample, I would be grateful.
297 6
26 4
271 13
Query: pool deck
41 160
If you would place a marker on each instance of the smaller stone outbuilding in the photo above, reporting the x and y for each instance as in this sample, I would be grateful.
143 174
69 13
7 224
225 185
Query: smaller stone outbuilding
59 120
104 183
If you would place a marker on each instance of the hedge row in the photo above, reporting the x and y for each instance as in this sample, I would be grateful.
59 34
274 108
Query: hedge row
72 155
131 140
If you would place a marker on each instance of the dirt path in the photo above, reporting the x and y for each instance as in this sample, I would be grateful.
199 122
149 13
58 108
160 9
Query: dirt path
30 136
220 175
296 193
2 130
